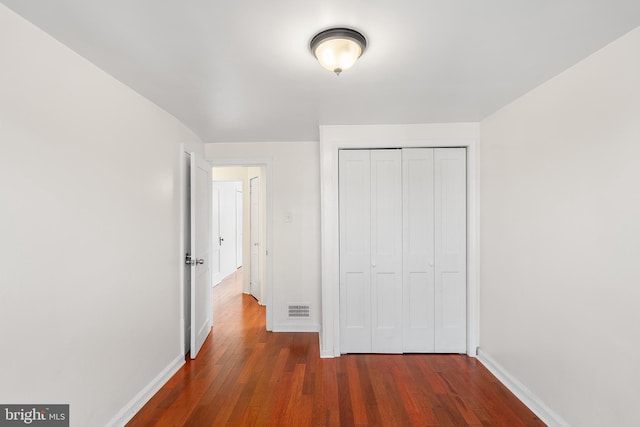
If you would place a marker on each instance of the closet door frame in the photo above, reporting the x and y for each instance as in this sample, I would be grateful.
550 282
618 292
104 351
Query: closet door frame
334 138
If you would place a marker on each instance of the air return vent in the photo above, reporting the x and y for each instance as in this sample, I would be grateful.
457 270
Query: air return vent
299 311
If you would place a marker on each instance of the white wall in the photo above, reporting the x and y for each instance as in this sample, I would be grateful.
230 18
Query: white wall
90 302
295 246
560 230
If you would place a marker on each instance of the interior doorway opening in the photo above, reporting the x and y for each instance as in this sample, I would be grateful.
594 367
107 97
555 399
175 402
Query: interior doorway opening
240 194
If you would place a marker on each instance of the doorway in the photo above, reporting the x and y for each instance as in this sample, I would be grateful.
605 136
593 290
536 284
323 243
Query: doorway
252 232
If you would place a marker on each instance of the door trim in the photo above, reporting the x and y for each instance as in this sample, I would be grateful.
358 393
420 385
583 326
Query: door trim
334 138
268 165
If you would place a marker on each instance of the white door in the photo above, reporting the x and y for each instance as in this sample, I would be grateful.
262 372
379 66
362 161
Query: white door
386 251
418 250
239 221
355 250
186 215
201 304
215 236
370 251
450 250
254 275
227 239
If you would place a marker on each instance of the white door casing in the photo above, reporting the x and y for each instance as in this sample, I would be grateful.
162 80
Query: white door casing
336 138
266 217
201 304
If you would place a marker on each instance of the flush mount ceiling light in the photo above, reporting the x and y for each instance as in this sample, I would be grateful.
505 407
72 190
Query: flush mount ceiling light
337 49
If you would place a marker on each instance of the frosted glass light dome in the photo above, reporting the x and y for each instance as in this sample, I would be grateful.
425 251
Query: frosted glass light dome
337 49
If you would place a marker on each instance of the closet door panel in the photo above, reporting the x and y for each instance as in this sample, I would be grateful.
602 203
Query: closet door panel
355 286
450 250
418 250
355 254
386 250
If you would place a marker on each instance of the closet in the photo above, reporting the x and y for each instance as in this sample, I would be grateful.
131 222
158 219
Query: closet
402 250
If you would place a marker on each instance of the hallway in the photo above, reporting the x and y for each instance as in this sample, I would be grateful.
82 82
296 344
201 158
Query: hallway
246 376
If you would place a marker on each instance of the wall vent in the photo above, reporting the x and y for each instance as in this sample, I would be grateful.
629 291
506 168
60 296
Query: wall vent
299 311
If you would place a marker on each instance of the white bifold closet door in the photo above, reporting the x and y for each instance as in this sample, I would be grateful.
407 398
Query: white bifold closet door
434 250
418 238
403 250
371 250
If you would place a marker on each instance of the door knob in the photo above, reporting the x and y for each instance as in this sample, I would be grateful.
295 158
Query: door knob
193 261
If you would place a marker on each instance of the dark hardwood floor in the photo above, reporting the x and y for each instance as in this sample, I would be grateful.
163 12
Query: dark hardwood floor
245 376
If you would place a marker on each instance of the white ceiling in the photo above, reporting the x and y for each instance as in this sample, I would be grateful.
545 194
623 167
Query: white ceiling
242 70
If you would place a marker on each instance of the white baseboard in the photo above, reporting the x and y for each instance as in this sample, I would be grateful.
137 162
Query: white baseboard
326 354
130 409
297 327
525 395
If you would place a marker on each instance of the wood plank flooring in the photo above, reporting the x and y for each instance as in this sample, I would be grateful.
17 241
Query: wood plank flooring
245 376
